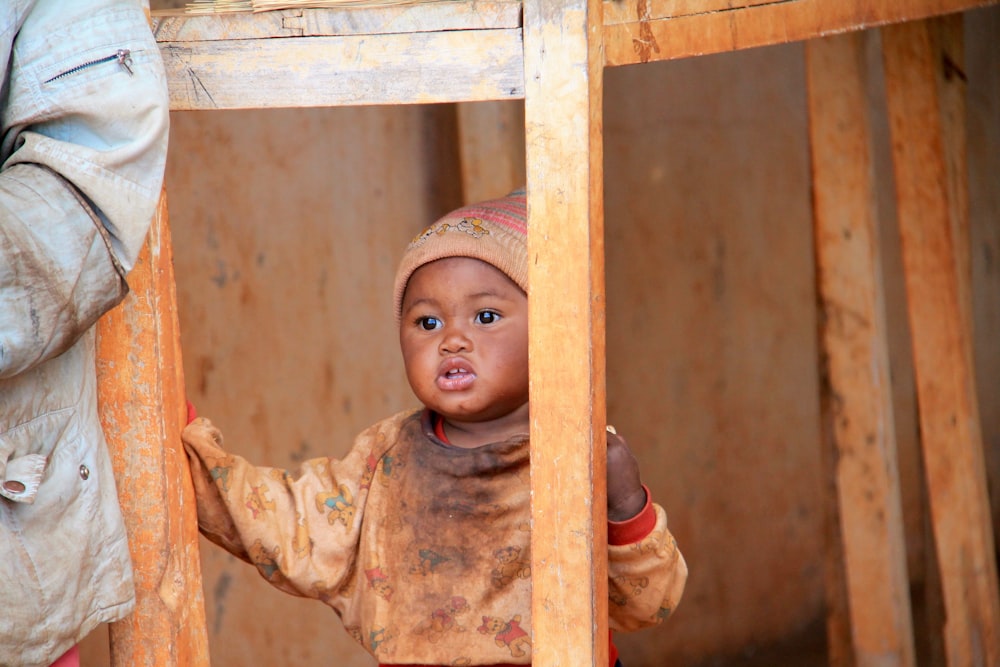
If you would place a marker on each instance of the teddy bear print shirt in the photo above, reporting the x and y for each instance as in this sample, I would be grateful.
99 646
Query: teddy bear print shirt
421 547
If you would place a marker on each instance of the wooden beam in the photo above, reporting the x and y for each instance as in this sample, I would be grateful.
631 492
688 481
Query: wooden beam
870 617
460 51
437 16
638 31
563 106
143 409
410 68
923 63
394 54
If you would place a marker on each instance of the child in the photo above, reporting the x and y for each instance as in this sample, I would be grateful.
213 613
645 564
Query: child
419 537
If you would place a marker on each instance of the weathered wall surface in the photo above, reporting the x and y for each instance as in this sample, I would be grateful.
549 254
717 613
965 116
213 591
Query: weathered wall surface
711 334
287 226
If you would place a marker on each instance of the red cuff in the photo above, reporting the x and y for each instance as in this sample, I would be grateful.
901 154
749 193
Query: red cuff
632 530
192 413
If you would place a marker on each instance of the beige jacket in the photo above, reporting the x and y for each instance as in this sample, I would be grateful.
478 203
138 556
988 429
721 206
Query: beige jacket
422 548
84 117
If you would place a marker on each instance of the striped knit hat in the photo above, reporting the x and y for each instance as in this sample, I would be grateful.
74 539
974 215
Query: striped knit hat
494 231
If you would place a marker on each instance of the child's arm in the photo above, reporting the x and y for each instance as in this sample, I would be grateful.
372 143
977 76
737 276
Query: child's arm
300 531
646 571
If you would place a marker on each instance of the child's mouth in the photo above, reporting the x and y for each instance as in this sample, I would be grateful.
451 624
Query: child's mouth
456 378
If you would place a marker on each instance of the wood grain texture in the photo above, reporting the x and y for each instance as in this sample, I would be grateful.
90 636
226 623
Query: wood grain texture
563 128
871 624
922 62
464 51
143 409
638 31
389 19
410 68
396 54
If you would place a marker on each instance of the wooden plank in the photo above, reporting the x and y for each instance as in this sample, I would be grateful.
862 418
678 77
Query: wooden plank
491 144
640 31
922 61
870 618
141 398
983 68
462 51
172 27
341 71
624 12
563 107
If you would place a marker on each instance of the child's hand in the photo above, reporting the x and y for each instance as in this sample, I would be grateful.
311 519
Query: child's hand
626 497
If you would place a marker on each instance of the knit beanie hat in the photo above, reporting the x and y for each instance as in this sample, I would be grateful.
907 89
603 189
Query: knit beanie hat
494 231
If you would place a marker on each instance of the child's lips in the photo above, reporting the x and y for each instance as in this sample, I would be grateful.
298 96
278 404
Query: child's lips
455 375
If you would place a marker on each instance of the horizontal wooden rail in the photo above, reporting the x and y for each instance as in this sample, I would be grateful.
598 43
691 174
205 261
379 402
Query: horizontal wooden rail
428 52
397 54
174 26
639 31
415 68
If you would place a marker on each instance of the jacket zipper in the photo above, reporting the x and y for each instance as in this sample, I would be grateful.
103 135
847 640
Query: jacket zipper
122 56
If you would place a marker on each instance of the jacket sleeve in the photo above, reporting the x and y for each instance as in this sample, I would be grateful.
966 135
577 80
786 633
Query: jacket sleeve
646 577
85 116
299 530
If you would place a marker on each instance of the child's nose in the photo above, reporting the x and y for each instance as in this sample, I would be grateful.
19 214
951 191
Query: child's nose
455 340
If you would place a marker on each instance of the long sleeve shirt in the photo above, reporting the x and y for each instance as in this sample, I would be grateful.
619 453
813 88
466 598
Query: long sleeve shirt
422 548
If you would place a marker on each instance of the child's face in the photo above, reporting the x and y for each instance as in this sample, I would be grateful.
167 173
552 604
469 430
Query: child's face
464 337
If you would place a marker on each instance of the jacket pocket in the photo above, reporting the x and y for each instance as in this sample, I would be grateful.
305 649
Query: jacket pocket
22 454
25 528
121 56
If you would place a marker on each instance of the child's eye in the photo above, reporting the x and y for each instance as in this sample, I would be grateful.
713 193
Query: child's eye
429 323
487 317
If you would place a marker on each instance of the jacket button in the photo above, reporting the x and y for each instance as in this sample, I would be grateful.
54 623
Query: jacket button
84 472
13 486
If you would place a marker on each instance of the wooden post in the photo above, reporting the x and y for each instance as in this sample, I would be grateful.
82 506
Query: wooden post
143 409
869 622
924 78
563 71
